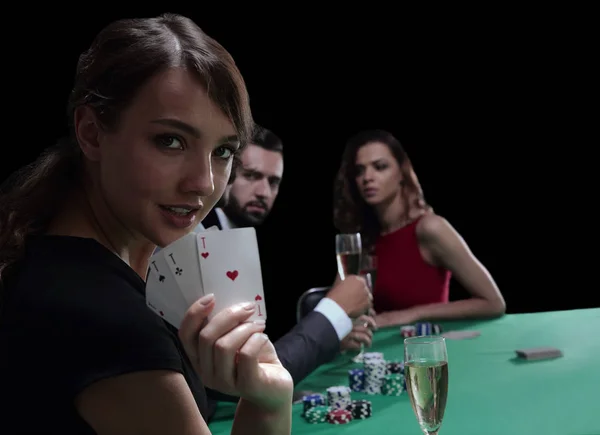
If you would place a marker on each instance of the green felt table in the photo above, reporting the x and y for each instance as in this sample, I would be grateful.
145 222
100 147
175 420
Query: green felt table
490 391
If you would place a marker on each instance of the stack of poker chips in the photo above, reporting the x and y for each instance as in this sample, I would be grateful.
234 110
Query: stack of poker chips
426 328
372 355
395 367
375 371
356 379
420 329
313 400
339 397
317 414
408 331
339 416
392 385
360 409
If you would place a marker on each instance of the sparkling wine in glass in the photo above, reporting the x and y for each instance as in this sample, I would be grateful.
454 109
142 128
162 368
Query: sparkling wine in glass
426 373
348 250
369 267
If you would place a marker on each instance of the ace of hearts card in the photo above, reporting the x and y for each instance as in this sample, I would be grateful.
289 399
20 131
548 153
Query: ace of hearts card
230 269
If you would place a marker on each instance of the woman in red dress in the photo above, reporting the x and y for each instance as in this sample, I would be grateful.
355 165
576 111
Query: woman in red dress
378 194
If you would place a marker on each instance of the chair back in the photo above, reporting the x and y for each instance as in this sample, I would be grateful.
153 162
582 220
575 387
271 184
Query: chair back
309 300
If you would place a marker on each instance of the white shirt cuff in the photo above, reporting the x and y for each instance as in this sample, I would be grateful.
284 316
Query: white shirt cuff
336 316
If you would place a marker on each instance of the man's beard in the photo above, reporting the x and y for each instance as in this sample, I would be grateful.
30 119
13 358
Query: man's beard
241 217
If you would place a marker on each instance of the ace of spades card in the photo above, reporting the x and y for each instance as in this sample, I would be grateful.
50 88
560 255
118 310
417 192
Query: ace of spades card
173 282
230 269
162 292
182 258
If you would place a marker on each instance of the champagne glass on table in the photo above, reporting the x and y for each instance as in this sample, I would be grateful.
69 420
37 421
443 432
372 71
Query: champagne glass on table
426 374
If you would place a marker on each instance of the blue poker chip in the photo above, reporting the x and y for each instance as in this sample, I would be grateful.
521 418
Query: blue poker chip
356 379
427 328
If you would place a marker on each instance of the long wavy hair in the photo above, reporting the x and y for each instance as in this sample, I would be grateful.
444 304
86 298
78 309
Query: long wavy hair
351 214
122 57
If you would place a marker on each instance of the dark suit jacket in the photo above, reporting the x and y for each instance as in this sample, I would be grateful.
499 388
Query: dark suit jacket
311 343
212 219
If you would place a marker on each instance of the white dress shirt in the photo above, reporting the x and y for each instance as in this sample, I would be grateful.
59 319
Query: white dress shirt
338 318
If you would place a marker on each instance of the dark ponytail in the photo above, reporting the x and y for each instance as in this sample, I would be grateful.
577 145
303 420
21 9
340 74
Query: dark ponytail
30 198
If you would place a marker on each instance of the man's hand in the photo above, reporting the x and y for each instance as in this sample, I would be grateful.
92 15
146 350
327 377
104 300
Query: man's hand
361 334
353 295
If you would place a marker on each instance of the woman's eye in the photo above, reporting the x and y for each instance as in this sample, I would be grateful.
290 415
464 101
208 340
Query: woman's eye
170 142
224 152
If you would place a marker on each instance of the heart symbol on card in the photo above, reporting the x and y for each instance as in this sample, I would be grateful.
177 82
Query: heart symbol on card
258 298
232 274
204 254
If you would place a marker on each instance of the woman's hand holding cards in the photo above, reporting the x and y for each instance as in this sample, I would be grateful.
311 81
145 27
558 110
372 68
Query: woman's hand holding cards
233 356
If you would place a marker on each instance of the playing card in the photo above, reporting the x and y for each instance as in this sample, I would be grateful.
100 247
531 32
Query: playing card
162 292
460 335
539 353
230 268
182 258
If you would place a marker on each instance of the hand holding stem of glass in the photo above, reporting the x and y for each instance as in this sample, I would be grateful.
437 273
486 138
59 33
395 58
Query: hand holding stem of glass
426 373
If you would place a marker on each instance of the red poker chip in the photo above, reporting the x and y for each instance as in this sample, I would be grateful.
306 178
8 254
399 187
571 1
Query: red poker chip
408 331
339 416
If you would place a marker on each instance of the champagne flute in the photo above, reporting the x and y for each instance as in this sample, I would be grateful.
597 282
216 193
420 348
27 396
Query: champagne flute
348 249
360 357
369 266
426 374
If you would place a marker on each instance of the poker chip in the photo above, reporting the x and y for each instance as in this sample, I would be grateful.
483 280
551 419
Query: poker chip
360 409
356 379
408 331
395 367
375 371
317 414
313 400
339 416
372 355
376 376
339 397
427 328
392 385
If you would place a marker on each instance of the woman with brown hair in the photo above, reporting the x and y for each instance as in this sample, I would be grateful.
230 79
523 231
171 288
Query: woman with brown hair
377 193
157 113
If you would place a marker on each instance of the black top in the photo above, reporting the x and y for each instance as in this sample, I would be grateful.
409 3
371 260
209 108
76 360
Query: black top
73 314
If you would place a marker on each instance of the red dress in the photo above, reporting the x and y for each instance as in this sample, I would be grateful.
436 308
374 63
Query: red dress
404 279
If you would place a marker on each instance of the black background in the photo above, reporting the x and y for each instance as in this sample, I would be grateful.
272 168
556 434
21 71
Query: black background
484 101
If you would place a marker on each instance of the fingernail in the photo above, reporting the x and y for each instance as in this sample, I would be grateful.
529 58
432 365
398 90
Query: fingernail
205 300
259 322
249 306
